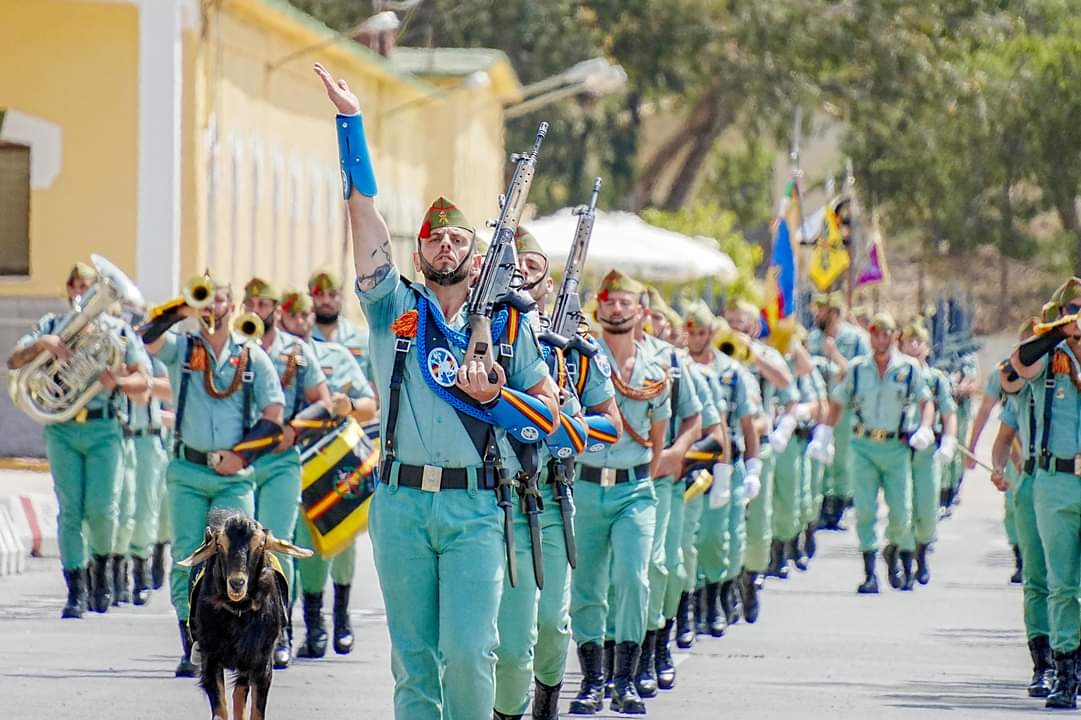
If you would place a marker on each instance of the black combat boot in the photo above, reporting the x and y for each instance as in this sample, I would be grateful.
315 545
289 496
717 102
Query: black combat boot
810 545
283 651
315 632
496 715
140 591
87 588
870 582
893 568
157 566
840 504
909 580
734 608
778 564
101 595
1043 667
609 667
185 668
545 700
666 669
73 608
923 570
701 611
625 697
825 514
343 630
792 550
726 601
590 698
715 616
685 632
1016 578
121 581
645 676
749 593
1064 693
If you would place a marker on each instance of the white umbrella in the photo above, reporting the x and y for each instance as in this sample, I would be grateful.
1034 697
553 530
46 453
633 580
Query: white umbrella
626 241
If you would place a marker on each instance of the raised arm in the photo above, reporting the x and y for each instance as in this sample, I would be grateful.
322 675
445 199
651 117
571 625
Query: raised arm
371 238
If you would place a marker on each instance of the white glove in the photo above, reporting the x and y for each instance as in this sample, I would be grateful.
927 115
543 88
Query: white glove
821 446
752 485
803 412
946 450
778 439
921 439
721 491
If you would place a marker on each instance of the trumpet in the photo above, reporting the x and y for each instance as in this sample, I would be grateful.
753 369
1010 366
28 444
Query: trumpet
250 326
197 293
1044 328
734 345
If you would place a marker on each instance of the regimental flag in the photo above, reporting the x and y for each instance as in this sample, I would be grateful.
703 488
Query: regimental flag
779 298
874 269
829 259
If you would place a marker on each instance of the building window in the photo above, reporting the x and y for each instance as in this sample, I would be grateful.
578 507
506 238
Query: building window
14 209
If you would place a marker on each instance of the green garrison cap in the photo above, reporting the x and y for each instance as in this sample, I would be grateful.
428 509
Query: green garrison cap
616 281
296 302
260 288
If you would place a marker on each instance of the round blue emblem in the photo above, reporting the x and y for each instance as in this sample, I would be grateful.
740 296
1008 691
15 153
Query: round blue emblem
443 367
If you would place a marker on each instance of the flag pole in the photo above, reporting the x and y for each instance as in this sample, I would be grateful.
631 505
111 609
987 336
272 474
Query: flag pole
793 157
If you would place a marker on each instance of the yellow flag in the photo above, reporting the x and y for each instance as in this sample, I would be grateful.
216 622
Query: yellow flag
828 263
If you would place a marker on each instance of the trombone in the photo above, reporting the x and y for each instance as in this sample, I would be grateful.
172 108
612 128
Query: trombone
250 326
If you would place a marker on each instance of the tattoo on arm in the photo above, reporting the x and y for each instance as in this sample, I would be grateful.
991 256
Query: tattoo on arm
368 281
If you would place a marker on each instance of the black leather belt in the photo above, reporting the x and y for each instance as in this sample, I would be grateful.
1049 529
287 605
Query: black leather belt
195 456
1070 466
142 433
879 435
97 414
1029 467
434 479
612 476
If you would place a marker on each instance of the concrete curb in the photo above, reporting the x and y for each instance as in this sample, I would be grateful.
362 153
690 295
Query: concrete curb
13 552
34 522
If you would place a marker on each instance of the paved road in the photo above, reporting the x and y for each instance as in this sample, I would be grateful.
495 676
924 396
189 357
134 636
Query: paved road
819 650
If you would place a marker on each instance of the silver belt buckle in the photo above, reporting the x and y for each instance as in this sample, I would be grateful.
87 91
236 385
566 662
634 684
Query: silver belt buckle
213 459
608 477
431 479
1077 465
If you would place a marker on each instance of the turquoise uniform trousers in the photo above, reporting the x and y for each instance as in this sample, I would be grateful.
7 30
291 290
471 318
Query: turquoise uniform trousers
194 490
150 461
787 476
1033 564
277 494
926 484
440 561
658 562
613 527
314 571
760 517
1058 518
815 483
722 535
839 473
534 626
692 532
673 550
1009 518
884 465
85 462
125 519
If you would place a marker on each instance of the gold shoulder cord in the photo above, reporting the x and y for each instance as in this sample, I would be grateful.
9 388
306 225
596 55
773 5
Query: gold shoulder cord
208 379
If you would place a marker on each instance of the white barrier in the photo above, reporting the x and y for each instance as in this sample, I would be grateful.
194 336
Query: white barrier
34 518
13 553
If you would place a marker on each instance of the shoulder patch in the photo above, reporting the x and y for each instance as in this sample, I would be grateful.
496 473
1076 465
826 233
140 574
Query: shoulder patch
600 360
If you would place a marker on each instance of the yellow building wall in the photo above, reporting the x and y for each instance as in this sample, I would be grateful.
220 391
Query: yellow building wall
76 64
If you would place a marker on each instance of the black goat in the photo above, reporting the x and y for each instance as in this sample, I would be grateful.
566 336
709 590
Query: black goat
238 609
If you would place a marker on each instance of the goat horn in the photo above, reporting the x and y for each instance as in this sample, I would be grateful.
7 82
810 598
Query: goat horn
286 548
204 551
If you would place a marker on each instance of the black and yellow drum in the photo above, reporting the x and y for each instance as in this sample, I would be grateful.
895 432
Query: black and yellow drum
336 484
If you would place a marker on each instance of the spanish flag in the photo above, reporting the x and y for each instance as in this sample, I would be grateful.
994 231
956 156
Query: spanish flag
778 312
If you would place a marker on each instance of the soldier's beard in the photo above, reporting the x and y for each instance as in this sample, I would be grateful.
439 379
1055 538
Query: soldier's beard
617 326
445 278
328 318
268 321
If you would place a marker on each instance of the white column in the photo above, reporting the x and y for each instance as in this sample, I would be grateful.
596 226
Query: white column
157 251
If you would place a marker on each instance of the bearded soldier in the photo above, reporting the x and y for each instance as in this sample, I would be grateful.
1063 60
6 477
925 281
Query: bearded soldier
325 288
434 519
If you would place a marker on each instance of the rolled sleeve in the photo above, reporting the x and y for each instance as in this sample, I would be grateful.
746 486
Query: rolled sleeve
314 375
528 367
170 351
1008 416
599 388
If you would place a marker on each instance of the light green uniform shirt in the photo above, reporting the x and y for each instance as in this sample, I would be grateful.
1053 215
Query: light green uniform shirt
147 417
429 431
739 393
638 414
355 339
210 424
851 341
341 370
280 351
1064 438
938 384
885 402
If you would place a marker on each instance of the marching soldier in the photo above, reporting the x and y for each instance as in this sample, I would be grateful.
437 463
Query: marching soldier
1013 460
435 511
840 342
229 413
350 394
1049 364
325 288
927 464
616 504
85 453
277 474
717 552
534 626
777 389
880 390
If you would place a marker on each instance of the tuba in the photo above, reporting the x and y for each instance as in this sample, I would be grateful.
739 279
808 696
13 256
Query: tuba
51 390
